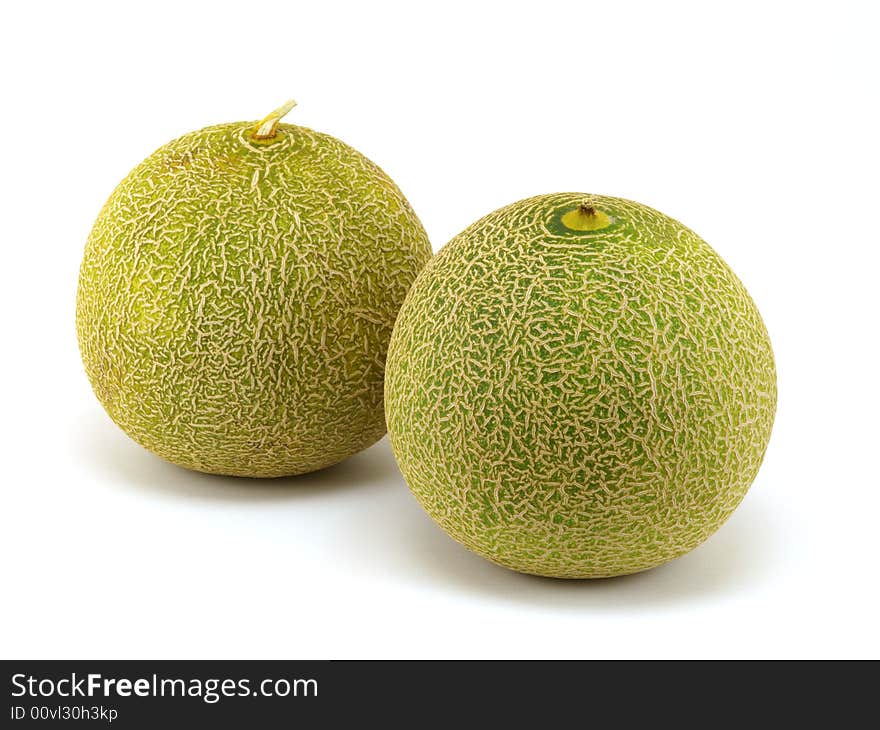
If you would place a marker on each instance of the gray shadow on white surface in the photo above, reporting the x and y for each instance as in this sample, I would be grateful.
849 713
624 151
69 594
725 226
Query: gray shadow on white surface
402 537
106 449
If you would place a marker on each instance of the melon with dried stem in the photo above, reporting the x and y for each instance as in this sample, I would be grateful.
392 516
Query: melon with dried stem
237 295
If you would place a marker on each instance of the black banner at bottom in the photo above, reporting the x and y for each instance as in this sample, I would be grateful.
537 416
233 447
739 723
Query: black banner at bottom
170 694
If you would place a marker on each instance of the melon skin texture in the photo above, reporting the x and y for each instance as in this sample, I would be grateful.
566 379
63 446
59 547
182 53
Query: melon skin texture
579 403
237 295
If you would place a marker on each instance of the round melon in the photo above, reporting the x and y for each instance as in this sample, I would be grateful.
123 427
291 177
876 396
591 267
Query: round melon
578 386
237 295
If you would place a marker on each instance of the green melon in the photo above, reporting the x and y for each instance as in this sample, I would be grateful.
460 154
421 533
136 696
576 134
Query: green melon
237 295
578 386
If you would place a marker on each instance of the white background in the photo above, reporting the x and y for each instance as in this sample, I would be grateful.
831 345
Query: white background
755 123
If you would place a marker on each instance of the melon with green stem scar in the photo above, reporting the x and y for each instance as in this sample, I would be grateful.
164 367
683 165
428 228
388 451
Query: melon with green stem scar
579 386
237 294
